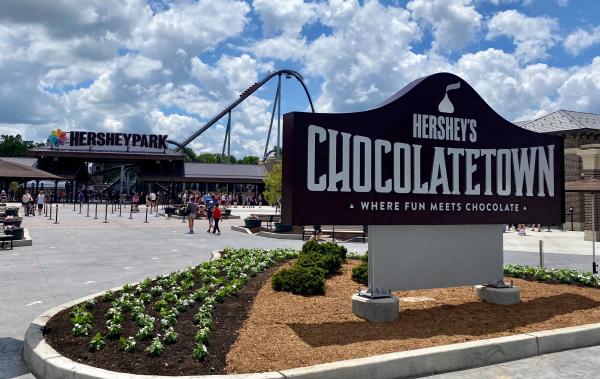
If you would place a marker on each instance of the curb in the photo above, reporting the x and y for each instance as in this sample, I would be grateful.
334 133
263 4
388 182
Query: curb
281 236
45 362
241 229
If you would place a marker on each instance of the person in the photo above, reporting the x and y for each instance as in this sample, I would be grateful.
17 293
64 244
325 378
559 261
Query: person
135 200
316 233
2 197
191 213
152 199
260 199
209 211
216 215
25 199
41 200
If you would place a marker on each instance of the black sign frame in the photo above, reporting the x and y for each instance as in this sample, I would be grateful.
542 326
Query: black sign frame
433 119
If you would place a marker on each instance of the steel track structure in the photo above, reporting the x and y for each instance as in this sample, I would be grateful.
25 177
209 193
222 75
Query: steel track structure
181 146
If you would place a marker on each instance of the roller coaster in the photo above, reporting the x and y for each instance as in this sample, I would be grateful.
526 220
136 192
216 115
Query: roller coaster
182 146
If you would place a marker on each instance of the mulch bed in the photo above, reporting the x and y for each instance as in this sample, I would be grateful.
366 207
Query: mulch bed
259 329
228 318
286 331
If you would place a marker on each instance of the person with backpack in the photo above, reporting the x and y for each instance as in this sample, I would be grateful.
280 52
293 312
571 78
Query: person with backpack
216 215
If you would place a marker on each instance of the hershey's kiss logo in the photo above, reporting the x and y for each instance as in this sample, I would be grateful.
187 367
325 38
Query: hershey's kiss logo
445 105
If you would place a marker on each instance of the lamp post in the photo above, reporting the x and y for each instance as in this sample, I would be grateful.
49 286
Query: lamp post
571 213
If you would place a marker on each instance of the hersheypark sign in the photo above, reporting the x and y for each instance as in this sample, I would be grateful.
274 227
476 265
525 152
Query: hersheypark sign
434 153
84 140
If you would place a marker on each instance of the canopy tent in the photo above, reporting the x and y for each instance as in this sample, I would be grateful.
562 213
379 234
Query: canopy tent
17 171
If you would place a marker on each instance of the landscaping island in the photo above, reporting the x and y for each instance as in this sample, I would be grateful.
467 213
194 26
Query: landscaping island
254 328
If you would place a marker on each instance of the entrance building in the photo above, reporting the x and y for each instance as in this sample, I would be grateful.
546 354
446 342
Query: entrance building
581 133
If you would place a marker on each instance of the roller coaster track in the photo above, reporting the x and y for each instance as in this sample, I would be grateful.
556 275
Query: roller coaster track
243 96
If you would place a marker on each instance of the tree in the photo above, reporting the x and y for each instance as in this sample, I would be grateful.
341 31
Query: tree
249 159
273 185
14 146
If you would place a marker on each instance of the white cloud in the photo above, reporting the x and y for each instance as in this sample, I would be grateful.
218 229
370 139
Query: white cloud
454 23
286 17
581 39
533 36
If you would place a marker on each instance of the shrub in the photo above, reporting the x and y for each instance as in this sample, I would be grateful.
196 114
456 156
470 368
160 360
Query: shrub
360 273
300 280
324 248
108 296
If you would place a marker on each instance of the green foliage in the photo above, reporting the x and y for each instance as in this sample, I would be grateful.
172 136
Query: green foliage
360 273
199 352
307 276
155 348
15 146
249 159
170 336
207 284
108 296
82 330
272 181
127 344
563 275
300 280
97 342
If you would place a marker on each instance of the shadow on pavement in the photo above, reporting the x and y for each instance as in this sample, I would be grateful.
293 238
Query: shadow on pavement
11 365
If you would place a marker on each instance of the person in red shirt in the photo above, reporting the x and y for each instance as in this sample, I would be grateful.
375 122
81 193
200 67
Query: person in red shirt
216 217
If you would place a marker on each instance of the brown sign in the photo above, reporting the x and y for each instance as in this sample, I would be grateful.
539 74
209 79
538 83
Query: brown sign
434 153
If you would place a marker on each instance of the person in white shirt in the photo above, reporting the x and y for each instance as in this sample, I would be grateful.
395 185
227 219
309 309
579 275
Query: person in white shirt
41 200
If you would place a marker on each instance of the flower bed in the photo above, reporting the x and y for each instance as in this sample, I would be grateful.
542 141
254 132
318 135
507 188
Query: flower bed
179 324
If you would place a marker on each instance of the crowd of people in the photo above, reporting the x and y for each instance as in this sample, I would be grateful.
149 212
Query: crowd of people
208 205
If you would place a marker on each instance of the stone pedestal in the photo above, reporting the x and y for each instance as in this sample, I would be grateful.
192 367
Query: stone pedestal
380 310
503 296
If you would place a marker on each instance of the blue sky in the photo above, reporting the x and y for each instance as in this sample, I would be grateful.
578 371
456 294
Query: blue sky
169 66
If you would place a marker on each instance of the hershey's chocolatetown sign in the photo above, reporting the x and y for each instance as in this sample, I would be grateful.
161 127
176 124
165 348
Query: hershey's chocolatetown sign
434 153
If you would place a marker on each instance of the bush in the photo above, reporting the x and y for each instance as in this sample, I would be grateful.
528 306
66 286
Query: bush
300 280
360 273
324 248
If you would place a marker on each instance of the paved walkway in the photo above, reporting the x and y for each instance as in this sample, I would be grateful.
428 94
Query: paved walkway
81 255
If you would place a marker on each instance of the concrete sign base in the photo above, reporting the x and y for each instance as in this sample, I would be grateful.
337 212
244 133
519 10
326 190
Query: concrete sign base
407 257
503 296
382 309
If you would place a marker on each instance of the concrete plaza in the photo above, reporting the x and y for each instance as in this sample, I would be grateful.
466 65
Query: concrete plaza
81 255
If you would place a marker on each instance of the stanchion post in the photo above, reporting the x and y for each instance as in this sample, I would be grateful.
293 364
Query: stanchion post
50 218
119 209
131 211
79 207
105 215
96 212
156 213
112 208
73 206
146 221
88 209
45 210
56 215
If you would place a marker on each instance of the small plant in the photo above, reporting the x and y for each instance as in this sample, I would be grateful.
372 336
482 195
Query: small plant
170 336
145 332
89 305
81 330
155 348
127 344
114 329
161 304
97 342
202 335
199 352
108 296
